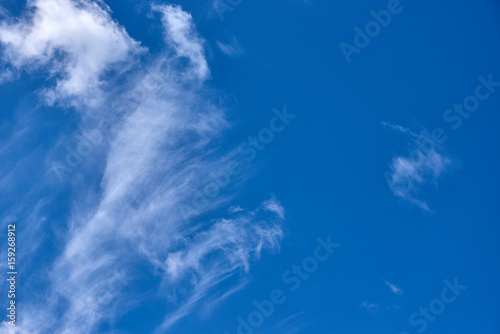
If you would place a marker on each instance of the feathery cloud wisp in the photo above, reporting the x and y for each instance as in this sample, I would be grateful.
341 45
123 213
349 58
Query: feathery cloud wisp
181 34
424 165
232 48
156 157
394 288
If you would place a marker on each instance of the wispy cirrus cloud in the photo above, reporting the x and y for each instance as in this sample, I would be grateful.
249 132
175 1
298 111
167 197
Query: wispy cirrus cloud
180 33
3 11
273 205
235 209
394 288
235 242
159 151
231 48
296 323
423 165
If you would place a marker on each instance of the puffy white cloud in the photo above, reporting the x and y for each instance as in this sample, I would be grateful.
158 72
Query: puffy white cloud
76 41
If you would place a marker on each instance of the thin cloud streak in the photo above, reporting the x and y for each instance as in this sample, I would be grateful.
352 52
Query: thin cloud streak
395 289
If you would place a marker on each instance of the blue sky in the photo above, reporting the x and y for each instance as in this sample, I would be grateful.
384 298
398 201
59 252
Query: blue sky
236 166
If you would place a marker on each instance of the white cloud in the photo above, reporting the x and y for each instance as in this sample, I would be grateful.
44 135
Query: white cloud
9 329
76 41
394 288
424 165
3 11
370 307
399 128
145 158
235 209
273 205
180 33
233 48
156 158
216 254
239 240
296 323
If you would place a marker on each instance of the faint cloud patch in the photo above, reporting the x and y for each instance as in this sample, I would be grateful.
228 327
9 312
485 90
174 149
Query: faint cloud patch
235 209
232 48
394 288
295 323
423 166
3 11
273 205
370 307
